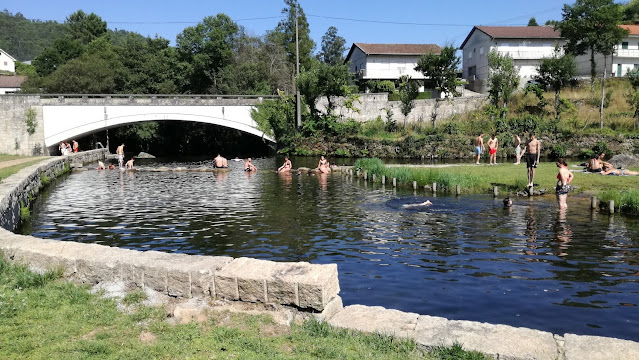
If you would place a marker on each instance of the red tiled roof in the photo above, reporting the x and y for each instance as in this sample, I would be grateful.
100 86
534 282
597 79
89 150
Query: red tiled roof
516 32
11 81
634 29
395 49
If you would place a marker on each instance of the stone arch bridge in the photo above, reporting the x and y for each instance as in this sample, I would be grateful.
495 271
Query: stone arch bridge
58 118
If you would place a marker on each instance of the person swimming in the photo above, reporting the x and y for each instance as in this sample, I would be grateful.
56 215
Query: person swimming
425 203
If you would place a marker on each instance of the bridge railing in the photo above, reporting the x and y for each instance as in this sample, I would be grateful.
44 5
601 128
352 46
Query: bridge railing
146 96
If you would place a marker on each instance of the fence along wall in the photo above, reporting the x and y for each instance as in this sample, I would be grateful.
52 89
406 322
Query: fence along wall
307 286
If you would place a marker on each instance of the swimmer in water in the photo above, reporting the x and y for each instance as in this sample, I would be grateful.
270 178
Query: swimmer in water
425 203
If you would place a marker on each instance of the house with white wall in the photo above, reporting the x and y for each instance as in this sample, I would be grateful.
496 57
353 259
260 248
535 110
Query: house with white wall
387 61
626 55
7 62
527 45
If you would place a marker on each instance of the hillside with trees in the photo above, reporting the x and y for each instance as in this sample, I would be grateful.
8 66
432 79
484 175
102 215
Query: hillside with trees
24 39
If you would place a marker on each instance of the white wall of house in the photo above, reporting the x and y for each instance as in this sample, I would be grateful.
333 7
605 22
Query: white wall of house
8 90
383 67
626 57
475 61
7 63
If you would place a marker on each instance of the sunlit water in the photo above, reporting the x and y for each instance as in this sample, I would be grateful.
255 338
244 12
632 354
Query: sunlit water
462 258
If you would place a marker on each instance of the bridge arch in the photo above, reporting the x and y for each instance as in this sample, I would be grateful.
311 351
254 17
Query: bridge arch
64 122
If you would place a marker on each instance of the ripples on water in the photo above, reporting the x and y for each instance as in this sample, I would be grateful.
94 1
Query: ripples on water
462 258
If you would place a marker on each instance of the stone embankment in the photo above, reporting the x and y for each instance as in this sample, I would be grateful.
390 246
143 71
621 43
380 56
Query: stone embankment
311 288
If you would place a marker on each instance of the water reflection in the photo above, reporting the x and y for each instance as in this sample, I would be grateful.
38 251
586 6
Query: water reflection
464 258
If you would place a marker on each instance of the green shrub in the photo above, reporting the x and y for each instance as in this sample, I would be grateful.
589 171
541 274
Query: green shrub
424 95
557 152
393 97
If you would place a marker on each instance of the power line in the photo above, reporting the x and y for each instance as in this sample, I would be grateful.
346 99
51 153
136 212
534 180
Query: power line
187 22
394 22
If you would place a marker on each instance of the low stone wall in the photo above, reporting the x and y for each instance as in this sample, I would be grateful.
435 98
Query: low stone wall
15 190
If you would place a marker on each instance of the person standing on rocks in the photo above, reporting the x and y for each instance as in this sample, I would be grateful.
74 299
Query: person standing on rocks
533 151
479 146
120 152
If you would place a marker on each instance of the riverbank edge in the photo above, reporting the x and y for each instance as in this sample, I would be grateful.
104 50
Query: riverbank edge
310 287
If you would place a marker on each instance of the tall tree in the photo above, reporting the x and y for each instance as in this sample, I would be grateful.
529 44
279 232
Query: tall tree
323 80
592 26
85 27
333 47
57 55
556 72
503 78
441 70
207 48
408 91
532 22
631 12
286 34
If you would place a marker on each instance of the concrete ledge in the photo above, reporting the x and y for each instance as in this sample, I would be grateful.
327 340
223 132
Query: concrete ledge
579 347
376 319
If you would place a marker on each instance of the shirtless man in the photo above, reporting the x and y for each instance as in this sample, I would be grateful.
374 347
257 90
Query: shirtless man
101 165
120 152
479 146
129 164
533 151
76 147
493 144
425 203
220 162
248 166
517 149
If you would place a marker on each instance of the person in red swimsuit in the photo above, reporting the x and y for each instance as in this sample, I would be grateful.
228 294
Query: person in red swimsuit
493 144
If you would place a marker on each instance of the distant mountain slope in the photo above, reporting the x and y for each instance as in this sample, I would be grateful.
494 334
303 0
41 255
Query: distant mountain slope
24 39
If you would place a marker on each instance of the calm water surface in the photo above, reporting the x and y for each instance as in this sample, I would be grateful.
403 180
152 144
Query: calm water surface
463 258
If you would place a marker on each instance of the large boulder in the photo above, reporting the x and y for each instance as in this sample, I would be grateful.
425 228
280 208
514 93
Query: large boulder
624 161
143 155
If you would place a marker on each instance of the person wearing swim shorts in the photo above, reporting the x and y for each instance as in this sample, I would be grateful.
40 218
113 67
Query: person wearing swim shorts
563 183
533 151
479 146
120 152
493 144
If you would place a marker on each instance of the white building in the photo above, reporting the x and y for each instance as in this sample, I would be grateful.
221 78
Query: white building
7 62
527 45
626 56
11 84
387 61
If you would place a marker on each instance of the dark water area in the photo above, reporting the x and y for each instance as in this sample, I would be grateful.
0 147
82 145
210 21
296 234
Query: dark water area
462 258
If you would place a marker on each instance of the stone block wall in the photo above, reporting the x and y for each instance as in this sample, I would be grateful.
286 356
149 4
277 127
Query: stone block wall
14 137
373 105
306 286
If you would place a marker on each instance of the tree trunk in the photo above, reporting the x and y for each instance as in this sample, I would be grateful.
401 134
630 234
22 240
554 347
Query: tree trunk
433 115
556 104
593 70
603 93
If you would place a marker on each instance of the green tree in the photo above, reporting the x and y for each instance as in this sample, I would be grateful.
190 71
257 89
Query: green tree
408 91
333 47
632 97
592 26
57 55
631 12
285 33
503 79
24 39
150 65
441 70
556 72
323 80
85 28
207 48
276 118
532 22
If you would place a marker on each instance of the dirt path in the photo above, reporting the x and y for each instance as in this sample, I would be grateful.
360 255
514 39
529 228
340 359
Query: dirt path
7 163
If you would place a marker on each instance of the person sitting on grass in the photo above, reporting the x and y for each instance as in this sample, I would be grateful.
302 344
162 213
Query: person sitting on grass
597 165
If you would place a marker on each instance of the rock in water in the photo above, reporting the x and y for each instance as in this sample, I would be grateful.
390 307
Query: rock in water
143 155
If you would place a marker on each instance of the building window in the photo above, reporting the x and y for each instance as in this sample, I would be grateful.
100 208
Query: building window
618 69
481 50
472 71
5 63
624 45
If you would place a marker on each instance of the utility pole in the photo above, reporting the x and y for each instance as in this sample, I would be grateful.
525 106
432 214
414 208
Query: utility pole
298 104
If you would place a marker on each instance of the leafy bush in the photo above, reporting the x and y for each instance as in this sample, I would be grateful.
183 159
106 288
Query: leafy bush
557 152
601 147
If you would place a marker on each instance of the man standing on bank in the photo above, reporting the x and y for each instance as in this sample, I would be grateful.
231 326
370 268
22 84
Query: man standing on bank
533 151
479 146
493 144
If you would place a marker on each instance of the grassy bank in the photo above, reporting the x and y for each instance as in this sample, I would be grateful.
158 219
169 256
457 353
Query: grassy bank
10 170
43 317
481 178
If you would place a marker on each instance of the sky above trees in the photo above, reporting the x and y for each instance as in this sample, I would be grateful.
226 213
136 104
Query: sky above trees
411 21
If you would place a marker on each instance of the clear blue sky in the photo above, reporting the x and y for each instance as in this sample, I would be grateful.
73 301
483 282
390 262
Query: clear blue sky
373 21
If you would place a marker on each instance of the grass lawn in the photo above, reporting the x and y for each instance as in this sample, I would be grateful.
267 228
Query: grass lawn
509 177
43 317
8 171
